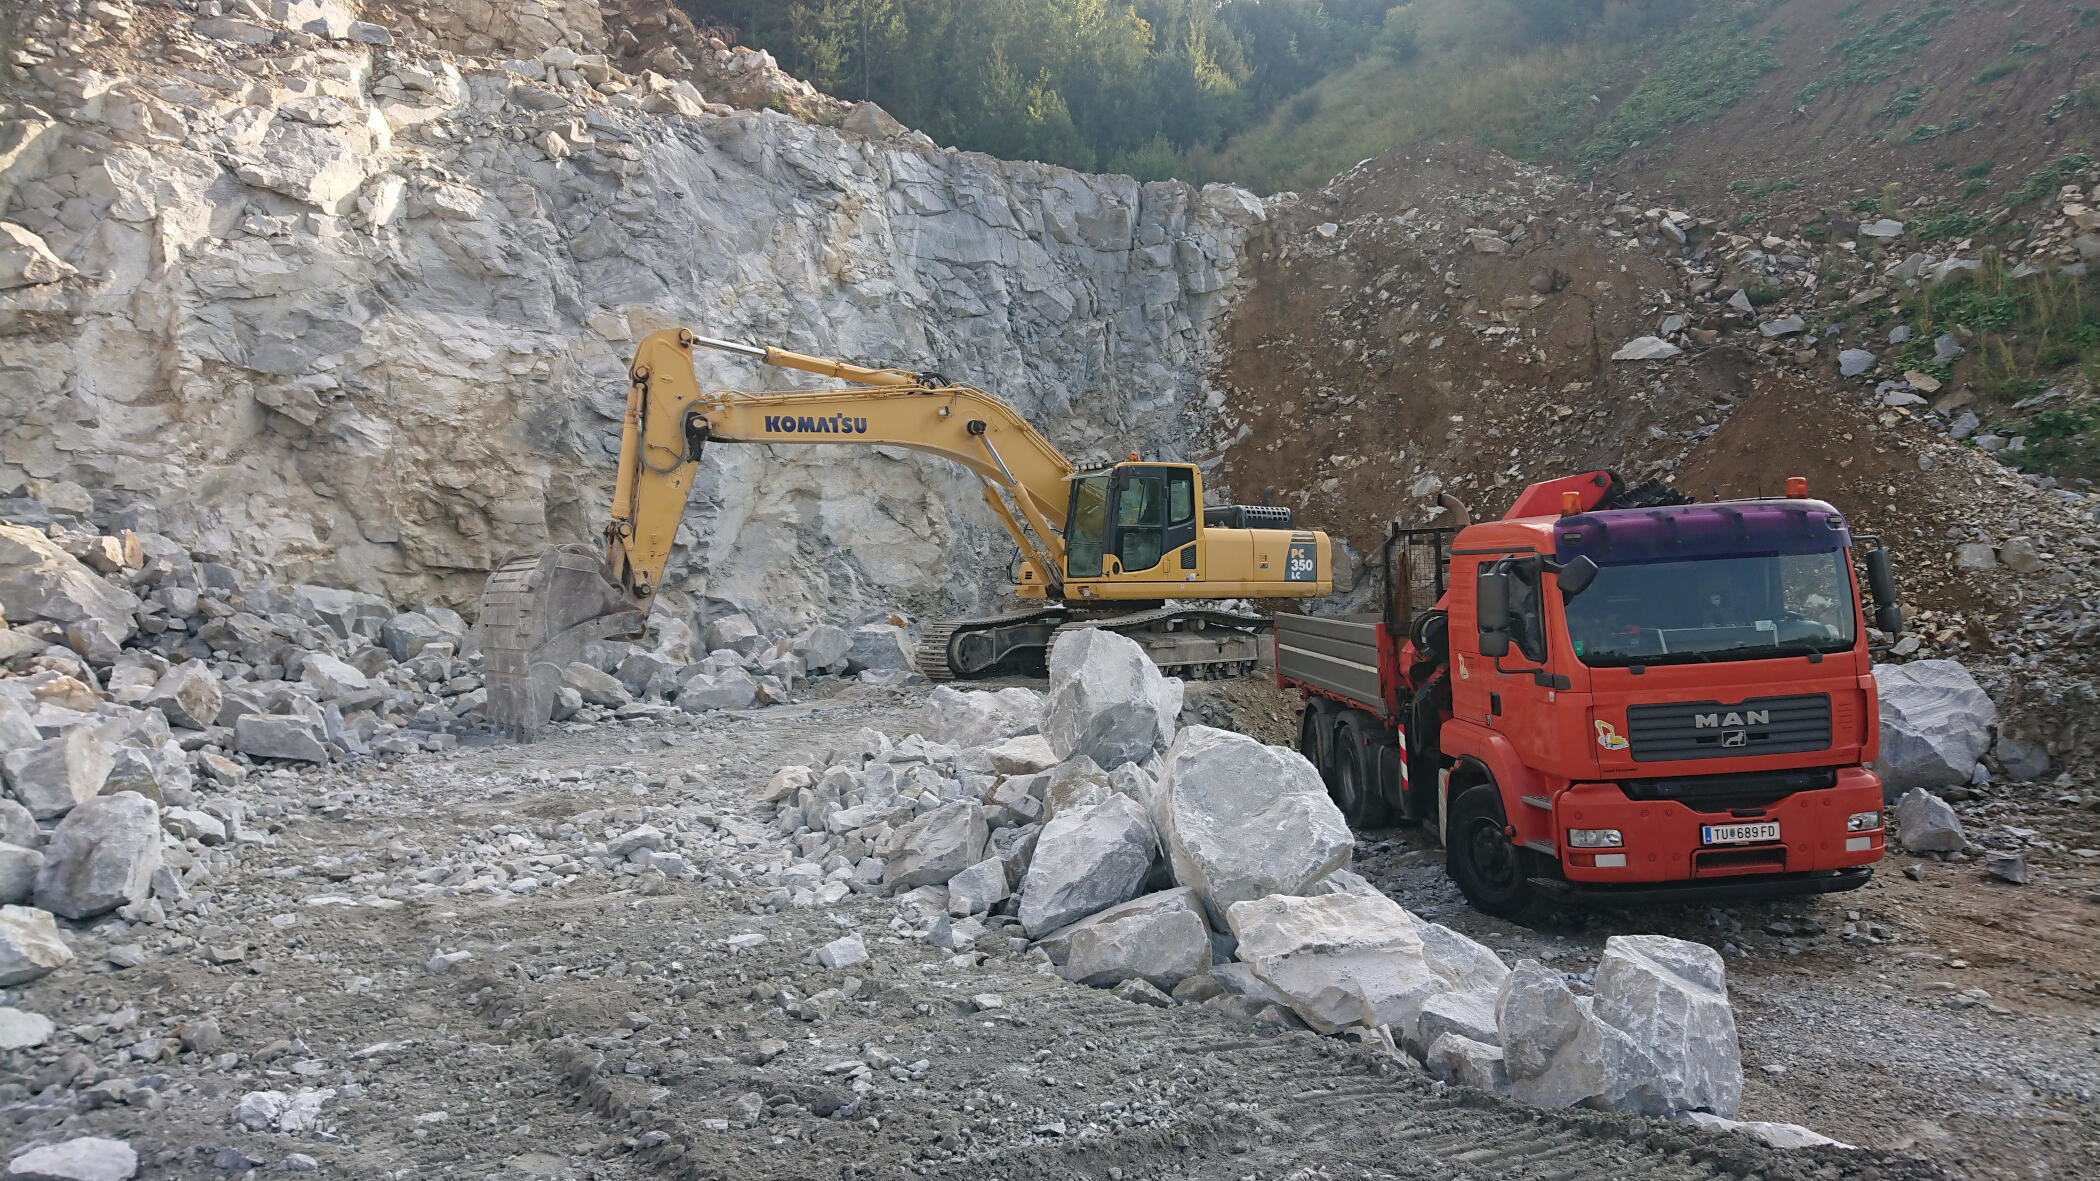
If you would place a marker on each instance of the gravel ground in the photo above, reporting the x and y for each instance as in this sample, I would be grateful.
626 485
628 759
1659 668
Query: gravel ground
1958 1022
372 932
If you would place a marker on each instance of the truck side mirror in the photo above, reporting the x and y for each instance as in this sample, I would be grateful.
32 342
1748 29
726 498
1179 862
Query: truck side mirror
1576 577
1492 602
1881 581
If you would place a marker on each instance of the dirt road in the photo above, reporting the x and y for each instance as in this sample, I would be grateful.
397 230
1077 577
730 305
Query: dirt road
664 1016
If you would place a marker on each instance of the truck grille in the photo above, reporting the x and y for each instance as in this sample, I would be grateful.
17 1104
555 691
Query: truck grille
1711 730
1749 791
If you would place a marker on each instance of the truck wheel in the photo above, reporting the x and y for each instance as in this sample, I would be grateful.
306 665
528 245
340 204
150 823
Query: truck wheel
1356 742
1313 741
1492 872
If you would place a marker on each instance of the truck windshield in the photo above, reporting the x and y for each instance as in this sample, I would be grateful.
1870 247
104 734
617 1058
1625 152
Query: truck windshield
1714 609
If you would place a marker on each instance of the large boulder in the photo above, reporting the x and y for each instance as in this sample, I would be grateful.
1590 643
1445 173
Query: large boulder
18 827
822 648
345 612
880 646
189 694
594 685
1925 823
17 728
1161 945
86 1158
1935 724
54 775
280 736
1671 997
38 580
1086 860
159 773
729 689
1468 1014
1464 964
29 945
103 855
406 635
1455 1058
935 847
18 870
1559 1054
1107 699
1340 959
734 633
973 717
334 679
1240 820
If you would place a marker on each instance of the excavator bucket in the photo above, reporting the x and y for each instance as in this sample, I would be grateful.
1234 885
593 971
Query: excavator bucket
537 613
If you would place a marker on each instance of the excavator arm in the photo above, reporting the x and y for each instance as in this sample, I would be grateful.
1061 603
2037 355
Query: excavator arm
670 419
540 610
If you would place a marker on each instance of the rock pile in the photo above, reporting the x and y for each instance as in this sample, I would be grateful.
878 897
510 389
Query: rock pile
1204 867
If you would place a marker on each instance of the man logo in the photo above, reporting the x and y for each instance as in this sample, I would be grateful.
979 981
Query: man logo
1748 717
1736 738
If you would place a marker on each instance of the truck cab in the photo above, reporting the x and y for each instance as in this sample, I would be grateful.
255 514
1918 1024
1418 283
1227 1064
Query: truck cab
1627 704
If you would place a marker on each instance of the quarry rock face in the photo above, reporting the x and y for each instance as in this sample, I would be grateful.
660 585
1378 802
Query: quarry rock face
287 396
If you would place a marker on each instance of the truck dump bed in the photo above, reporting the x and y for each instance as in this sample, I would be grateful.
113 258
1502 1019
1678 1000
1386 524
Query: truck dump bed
1337 656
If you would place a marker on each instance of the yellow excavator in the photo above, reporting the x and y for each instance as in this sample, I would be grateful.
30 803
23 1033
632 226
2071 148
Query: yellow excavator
1108 548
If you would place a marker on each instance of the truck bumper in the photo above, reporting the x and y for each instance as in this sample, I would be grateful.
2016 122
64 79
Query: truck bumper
1663 849
1781 885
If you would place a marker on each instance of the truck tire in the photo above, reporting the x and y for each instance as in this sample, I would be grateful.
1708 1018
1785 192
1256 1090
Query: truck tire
1314 742
1493 872
1356 790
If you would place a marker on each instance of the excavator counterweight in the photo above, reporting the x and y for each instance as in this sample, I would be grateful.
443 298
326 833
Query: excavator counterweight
1105 548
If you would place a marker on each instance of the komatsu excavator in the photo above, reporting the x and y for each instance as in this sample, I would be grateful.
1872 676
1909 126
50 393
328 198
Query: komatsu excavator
1107 548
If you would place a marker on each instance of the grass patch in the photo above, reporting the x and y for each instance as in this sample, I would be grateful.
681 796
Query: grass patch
1950 222
1903 103
1699 79
1757 189
1875 50
2023 334
1979 170
1996 70
2043 182
1974 187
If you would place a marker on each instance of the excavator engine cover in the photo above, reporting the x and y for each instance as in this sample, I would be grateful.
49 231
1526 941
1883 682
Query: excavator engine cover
537 613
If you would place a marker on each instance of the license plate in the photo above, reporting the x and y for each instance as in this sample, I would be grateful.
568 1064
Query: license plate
1738 834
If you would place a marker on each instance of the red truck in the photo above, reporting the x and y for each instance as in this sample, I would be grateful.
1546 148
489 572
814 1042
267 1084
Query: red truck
1617 697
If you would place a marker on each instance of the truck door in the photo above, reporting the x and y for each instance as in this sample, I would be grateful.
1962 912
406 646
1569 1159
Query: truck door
1524 679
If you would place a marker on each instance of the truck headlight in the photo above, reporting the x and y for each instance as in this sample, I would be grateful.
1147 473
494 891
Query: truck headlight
1595 838
1863 822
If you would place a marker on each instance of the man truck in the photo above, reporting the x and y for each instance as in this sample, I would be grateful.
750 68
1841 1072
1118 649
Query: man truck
1611 696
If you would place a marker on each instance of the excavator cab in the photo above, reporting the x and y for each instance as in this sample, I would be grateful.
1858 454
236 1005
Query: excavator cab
1134 520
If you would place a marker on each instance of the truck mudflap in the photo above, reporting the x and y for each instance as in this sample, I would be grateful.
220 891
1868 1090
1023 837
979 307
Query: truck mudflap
1730 889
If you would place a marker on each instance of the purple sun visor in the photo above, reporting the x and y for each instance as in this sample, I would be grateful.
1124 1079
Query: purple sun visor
1619 537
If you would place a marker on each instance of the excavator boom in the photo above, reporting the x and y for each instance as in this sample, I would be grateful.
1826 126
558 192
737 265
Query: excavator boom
540 610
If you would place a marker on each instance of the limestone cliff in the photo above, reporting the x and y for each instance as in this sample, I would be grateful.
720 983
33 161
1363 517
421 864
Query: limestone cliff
341 301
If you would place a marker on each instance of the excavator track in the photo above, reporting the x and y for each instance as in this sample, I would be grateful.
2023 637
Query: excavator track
936 653
1198 643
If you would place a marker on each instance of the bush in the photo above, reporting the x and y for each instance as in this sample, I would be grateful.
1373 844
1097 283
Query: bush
1996 70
